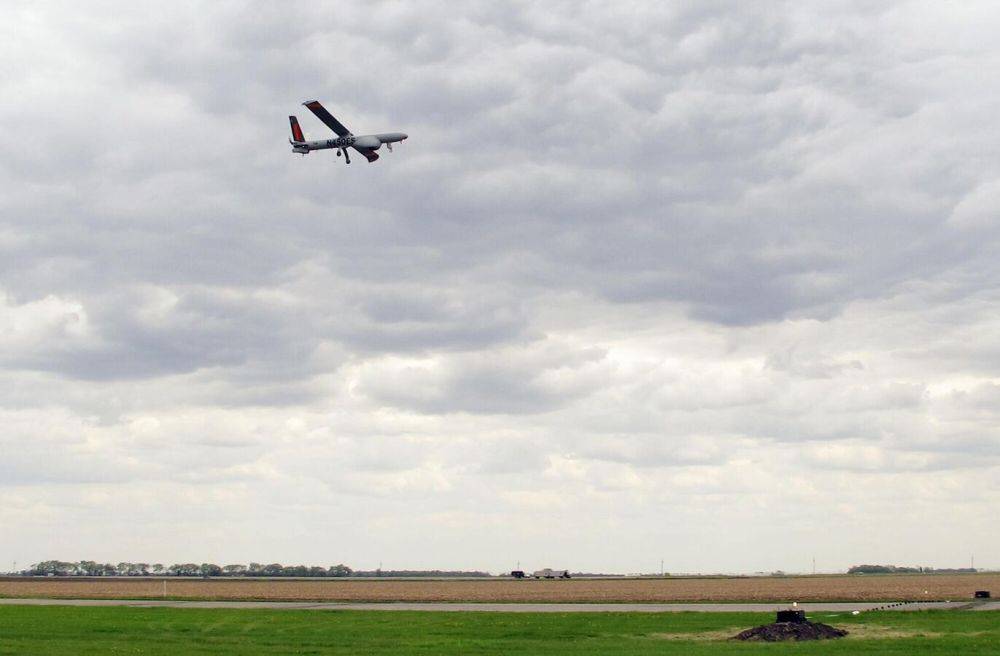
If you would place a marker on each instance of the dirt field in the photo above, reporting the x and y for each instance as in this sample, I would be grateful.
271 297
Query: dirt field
799 588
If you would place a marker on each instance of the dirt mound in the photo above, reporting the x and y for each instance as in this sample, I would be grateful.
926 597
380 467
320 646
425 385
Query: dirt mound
780 631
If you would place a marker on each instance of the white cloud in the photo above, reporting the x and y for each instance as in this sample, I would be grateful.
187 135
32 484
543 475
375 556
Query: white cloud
639 273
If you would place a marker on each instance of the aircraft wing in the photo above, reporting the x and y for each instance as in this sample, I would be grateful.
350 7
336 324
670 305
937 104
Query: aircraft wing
325 116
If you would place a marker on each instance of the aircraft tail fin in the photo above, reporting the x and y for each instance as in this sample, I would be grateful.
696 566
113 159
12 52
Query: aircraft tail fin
296 130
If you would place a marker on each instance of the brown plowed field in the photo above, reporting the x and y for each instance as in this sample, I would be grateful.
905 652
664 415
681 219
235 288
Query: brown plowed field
797 588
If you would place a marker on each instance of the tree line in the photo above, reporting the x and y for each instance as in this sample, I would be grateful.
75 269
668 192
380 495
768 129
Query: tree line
94 568
896 569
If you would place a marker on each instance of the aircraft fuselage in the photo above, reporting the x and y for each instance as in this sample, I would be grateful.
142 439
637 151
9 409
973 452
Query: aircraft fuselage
372 141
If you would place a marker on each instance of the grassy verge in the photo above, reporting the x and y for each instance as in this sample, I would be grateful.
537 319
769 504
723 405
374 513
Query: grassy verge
61 630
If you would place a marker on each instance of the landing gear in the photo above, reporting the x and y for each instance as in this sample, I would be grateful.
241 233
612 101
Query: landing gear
389 146
347 158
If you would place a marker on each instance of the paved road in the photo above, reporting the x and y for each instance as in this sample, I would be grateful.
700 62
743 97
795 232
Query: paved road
817 608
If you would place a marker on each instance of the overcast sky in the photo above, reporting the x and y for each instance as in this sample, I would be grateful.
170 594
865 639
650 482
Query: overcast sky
710 282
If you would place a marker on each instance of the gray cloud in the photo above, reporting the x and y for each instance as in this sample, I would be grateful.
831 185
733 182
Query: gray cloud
663 259
505 382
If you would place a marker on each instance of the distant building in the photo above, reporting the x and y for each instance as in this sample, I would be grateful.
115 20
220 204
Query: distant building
551 573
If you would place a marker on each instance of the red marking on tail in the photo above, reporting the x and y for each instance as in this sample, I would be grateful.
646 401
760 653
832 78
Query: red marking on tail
296 130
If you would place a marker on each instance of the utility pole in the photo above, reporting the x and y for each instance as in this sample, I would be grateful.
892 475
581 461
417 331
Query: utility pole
661 567
814 564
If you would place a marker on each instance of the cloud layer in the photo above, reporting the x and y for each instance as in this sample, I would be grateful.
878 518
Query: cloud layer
637 278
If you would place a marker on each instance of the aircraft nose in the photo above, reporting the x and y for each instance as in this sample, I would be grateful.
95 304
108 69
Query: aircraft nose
405 137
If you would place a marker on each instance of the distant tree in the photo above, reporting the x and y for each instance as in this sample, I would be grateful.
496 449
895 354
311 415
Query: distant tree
274 569
210 569
184 569
254 569
157 568
234 570
317 571
339 570
44 568
53 568
868 569
91 568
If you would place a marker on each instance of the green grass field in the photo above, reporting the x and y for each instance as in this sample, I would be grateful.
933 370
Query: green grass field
77 630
